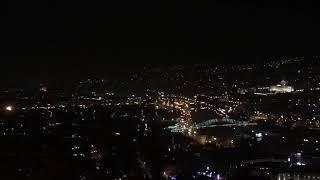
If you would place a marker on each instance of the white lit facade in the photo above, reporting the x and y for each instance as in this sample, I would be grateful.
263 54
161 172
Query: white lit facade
281 88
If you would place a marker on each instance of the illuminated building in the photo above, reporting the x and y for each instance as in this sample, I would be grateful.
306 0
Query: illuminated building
281 88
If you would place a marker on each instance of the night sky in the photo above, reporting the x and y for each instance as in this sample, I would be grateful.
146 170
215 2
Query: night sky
56 40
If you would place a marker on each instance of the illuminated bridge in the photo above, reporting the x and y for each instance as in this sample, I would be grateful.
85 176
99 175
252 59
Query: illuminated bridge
221 122
225 122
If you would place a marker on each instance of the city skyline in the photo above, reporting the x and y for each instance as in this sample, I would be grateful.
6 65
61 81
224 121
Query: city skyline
143 90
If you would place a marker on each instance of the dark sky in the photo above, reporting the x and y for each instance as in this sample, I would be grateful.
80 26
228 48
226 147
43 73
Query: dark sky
55 39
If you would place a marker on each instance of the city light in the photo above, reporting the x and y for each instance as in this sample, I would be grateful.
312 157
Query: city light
219 119
9 108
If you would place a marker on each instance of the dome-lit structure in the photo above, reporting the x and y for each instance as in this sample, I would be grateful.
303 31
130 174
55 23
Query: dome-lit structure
281 88
283 83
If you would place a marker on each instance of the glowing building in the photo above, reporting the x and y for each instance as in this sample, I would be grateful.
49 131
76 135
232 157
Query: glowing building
281 88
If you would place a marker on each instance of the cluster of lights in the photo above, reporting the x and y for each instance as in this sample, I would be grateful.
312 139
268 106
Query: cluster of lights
9 108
